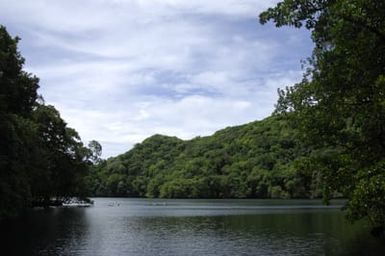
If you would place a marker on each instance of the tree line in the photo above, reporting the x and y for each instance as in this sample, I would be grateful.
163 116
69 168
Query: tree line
41 158
262 159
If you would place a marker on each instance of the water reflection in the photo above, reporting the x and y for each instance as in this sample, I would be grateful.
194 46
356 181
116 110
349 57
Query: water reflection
43 232
189 227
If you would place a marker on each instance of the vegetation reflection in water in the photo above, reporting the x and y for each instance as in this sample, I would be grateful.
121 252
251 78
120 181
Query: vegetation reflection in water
190 227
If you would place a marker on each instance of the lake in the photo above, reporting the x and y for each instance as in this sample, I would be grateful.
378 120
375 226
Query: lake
123 226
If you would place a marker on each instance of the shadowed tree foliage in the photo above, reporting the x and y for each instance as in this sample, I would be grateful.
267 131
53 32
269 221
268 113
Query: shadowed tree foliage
340 103
40 157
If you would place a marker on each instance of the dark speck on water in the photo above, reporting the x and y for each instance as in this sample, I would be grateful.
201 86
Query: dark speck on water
146 227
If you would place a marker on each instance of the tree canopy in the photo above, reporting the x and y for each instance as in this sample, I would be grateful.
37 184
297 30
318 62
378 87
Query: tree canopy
258 160
340 103
40 156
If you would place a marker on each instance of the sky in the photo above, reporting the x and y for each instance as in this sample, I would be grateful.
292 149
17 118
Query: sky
120 71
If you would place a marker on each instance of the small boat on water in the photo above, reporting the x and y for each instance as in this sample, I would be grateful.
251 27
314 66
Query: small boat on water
74 202
77 205
112 204
159 204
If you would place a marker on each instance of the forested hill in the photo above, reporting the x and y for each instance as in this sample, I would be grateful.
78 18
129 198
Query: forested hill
261 159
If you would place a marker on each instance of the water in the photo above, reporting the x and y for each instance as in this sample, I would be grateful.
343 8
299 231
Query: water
142 227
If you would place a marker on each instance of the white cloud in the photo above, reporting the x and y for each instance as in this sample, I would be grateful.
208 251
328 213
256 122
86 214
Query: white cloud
120 71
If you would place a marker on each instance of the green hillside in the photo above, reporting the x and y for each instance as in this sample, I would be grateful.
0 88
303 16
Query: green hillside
261 159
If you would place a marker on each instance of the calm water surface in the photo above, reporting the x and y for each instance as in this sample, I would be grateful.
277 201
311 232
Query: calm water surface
115 226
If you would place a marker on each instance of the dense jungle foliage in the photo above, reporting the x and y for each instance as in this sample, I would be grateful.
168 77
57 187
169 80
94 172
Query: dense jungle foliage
263 159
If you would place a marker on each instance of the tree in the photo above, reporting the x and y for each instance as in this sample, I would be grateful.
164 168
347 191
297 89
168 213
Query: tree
63 156
40 157
95 151
340 103
17 132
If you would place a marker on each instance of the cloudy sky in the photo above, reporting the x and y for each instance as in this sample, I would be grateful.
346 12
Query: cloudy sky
122 70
